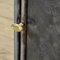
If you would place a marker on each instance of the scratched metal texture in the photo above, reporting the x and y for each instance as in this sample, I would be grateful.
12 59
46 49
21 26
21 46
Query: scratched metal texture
43 30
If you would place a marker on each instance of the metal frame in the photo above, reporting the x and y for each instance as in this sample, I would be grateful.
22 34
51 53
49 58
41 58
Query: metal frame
24 17
20 39
17 35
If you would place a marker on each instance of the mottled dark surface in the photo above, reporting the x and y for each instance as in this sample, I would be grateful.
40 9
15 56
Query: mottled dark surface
44 30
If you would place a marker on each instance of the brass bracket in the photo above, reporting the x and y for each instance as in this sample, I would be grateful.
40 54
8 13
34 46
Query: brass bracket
18 27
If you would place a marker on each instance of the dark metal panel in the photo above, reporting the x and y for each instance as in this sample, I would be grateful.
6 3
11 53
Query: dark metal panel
43 30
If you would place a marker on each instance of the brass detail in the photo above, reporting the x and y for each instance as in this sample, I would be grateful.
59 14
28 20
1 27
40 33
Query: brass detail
18 27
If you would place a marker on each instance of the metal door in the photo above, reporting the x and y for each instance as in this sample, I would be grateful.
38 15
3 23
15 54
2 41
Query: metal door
43 30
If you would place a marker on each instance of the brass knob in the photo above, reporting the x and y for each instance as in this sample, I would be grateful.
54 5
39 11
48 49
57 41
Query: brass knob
18 27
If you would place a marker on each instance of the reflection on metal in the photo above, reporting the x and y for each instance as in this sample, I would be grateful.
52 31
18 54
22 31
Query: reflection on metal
24 14
18 27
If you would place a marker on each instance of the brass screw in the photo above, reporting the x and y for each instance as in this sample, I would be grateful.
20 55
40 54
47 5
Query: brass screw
18 27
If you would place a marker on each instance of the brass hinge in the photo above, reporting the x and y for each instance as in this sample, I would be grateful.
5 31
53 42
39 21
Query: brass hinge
18 27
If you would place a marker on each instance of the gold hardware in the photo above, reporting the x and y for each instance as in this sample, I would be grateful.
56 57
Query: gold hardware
18 27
